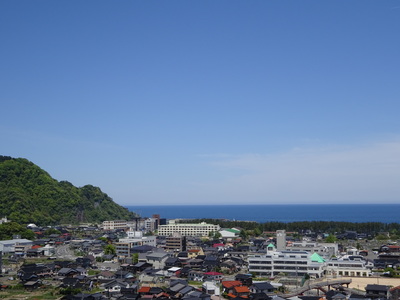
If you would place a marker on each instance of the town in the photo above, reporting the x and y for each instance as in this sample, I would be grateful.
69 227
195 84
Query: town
152 258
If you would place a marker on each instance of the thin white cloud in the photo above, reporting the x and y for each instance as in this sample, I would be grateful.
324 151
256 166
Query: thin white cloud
367 173
30 136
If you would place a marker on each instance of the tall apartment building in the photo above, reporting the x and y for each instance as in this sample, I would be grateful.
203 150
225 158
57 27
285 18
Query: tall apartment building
123 249
175 242
202 229
157 217
150 224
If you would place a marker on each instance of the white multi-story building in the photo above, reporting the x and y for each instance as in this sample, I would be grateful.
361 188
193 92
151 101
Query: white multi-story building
326 250
150 224
116 224
349 267
135 238
132 234
202 229
8 246
290 263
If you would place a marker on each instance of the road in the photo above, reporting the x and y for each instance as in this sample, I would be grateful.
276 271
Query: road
64 252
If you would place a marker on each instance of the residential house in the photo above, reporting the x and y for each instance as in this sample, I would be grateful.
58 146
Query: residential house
211 288
196 295
31 272
150 277
176 287
387 260
174 271
32 285
34 252
211 262
68 272
339 296
394 292
157 259
389 249
71 282
263 296
245 279
228 285
129 293
194 252
229 266
172 262
114 286
106 275
121 274
85 262
194 263
262 287
196 275
213 276
184 273
140 266
240 292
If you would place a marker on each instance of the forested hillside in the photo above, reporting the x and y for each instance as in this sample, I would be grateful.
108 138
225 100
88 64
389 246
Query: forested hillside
29 194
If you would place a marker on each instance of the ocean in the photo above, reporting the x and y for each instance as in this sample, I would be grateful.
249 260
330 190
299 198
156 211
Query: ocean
384 213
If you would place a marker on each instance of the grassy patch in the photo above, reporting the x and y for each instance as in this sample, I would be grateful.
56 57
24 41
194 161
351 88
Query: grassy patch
19 293
196 283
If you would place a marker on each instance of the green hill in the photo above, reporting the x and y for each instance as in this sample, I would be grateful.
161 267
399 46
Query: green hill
29 194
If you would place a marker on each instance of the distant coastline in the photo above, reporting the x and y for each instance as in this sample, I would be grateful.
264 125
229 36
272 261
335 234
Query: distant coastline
383 213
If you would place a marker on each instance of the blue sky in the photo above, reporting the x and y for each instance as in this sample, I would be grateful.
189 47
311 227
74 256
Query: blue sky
206 102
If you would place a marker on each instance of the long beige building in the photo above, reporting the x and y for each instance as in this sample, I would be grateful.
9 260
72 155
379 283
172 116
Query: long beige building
201 229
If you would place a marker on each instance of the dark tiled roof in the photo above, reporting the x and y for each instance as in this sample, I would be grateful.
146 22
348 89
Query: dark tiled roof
377 287
263 286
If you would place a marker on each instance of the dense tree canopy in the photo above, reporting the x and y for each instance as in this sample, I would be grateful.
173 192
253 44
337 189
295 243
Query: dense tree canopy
10 229
28 194
109 249
301 227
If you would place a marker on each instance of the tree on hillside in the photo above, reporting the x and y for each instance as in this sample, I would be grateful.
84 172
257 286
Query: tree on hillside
29 194
7 230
